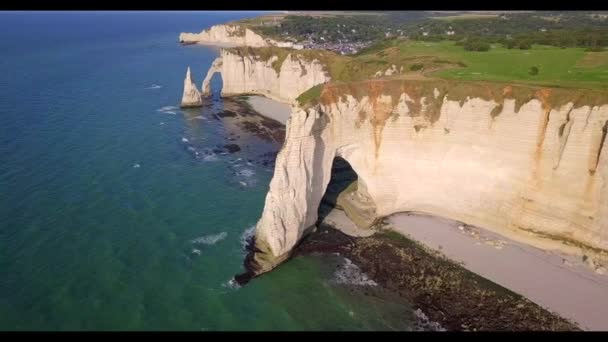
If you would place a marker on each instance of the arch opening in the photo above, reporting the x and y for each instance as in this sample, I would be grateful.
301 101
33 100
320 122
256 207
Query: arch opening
347 192
216 85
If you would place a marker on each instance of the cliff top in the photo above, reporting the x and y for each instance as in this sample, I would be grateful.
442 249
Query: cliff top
326 58
434 90
542 65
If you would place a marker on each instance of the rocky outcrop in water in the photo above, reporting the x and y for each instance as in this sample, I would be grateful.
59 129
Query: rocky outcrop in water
191 96
528 163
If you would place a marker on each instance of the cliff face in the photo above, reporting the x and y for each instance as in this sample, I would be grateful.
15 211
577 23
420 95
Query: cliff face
251 74
528 163
233 35
191 96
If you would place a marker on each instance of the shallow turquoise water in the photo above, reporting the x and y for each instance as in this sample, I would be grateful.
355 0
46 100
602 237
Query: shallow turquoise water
100 198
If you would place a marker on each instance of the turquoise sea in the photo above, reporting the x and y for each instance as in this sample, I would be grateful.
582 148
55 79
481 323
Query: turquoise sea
109 220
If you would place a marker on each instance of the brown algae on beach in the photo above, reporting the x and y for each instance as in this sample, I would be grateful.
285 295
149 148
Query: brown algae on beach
445 291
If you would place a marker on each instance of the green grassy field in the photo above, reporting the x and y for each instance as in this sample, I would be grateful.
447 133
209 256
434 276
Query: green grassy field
571 67
557 67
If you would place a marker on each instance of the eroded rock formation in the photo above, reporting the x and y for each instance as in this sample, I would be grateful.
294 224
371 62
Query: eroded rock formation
529 163
216 66
191 96
245 73
233 35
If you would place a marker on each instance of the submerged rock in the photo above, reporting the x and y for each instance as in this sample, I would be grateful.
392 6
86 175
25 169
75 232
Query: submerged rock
232 148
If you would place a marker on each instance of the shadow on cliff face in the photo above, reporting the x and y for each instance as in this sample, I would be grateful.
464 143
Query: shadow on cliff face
342 176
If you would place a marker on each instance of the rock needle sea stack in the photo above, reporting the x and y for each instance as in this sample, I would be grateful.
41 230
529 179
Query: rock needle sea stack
192 96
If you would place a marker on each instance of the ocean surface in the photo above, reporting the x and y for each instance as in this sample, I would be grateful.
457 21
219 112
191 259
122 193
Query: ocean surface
115 212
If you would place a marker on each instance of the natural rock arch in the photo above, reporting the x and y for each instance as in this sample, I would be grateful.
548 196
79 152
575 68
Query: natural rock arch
346 191
216 67
456 166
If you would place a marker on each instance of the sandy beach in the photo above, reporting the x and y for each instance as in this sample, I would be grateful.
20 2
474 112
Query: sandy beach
270 108
559 283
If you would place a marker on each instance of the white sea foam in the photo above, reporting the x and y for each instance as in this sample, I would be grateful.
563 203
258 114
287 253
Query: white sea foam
210 239
231 284
135 166
196 251
245 173
184 139
423 323
246 236
166 108
211 157
242 183
154 86
350 274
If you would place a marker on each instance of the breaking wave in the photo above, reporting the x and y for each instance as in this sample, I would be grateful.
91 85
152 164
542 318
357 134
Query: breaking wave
210 157
154 86
210 239
198 118
245 173
423 323
246 236
231 284
167 110
350 274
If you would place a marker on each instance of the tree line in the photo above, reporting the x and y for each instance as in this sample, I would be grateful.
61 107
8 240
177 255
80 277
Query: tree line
513 30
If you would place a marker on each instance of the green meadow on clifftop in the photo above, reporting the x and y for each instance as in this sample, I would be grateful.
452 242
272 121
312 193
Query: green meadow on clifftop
570 67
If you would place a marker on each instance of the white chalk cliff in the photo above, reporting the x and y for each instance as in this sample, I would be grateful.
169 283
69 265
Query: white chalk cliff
191 96
244 73
528 169
233 35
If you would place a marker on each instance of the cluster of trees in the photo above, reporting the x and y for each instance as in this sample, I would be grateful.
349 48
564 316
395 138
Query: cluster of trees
521 30
592 39
476 45
521 44
568 37
534 71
